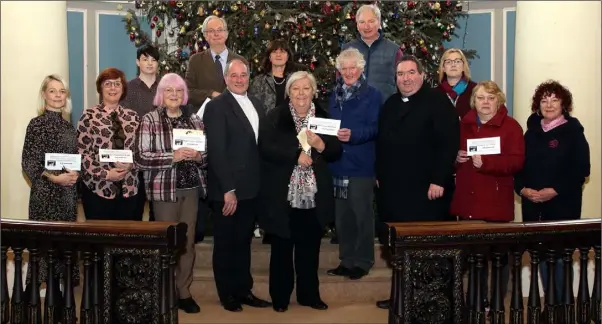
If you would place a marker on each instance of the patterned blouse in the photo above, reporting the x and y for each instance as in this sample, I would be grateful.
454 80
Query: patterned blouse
99 128
154 155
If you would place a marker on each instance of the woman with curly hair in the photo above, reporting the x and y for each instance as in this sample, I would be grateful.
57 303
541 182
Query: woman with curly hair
556 163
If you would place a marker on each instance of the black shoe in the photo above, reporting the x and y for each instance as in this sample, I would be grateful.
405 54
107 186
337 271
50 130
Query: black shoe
188 305
357 273
280 309
383 304
253 301
319 305
232 305
339 271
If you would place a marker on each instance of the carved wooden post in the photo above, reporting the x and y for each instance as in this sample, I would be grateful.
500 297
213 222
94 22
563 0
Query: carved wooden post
470 291
52 311
596 309
583 312
34 308
550 309
479 305
4 301
86 316
17 303
173 298
534 304
497 299
516 301
69 299
568 309
97 288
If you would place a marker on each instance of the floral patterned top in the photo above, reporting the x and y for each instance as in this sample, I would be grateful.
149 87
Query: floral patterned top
96 130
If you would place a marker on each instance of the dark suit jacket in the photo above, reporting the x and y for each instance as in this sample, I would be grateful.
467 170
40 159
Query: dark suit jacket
231 148
202 76
279 149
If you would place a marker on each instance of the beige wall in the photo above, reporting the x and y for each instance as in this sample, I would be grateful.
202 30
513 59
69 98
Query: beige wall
33 45
563 43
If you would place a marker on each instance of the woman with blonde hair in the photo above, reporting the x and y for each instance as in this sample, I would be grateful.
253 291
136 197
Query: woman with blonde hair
53 195
455 81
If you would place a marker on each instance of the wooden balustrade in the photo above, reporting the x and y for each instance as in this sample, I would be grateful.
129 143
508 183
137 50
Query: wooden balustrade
430 259
128 271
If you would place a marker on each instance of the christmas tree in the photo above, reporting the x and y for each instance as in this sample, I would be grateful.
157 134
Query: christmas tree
316 30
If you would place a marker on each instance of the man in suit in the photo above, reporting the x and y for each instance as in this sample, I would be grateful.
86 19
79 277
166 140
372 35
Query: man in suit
231 126
205 74
205 79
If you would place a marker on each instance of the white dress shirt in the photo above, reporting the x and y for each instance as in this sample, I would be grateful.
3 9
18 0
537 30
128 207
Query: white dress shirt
249 110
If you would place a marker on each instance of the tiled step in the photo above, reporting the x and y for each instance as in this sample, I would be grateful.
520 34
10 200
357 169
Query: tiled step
337 313
375 286
260 255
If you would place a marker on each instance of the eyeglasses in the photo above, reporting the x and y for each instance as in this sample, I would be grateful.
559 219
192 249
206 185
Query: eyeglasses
108 84
456 62
215 31
178 92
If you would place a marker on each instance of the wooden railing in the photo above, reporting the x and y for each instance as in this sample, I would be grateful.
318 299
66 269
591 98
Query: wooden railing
128 271
430 259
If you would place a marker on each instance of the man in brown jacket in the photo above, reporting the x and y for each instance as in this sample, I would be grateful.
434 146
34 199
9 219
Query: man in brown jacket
205 74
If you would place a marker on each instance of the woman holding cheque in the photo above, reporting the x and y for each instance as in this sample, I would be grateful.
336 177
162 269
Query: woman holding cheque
174 169
485 174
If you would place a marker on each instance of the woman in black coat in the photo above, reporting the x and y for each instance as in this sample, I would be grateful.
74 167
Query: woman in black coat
297 195
557 162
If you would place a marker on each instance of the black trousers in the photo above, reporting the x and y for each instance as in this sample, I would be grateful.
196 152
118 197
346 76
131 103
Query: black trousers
298 255
232 249
142 199
99 208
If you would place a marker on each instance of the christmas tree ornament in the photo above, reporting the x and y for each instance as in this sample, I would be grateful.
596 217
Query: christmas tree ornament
158 33
152 25
201 11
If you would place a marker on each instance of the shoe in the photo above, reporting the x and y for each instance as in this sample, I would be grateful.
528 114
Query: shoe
253 301
319 305
339 271
383 304
280 309
232 305
188 305
357 273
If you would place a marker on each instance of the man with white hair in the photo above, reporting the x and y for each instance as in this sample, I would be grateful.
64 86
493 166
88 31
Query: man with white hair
380 53
205 74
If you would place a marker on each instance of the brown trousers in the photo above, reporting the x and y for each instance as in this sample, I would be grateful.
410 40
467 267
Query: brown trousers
184 210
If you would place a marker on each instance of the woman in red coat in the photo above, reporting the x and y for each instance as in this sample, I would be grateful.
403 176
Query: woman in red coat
485 183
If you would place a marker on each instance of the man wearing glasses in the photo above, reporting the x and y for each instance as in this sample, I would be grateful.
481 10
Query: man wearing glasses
205 74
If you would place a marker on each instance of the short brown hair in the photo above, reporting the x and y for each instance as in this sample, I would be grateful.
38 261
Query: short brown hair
491 88
552 87
110 74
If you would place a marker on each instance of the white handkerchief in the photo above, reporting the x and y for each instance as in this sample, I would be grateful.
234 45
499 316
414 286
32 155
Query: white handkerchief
302 137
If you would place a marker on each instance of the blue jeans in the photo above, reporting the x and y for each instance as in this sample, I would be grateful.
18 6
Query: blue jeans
559 277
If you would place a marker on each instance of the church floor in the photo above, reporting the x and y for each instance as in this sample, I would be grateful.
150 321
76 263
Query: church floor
213 313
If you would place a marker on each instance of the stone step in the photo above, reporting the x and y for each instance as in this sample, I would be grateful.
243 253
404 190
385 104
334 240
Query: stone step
260 255
375 286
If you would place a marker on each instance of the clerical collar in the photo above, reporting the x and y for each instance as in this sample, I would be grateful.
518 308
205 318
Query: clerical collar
405 99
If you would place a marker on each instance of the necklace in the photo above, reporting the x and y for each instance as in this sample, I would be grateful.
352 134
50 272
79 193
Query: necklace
281 82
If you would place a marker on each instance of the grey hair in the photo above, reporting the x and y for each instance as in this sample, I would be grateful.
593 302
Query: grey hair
229 65
375 10
210 18
298 76
351 54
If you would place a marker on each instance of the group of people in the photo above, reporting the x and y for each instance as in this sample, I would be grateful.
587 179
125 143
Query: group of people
400 142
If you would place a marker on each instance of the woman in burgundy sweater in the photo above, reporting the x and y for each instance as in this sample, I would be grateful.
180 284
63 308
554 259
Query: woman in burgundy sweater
454 80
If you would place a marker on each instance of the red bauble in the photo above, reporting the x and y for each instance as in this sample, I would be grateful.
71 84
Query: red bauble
180 16
158 32
152 25
155 18
132 36
448 3
172 3
312 66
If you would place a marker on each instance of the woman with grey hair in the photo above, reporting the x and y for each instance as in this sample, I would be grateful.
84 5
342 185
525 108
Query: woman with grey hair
296 192
357 105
